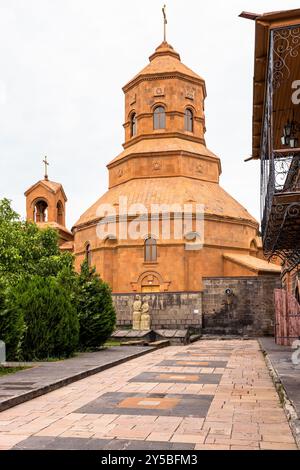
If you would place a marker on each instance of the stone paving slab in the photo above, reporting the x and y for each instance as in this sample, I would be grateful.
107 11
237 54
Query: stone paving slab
192 363
45 377
177 377
73 443
150 404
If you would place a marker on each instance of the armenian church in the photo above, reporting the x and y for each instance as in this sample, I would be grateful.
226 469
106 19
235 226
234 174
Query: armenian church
165 161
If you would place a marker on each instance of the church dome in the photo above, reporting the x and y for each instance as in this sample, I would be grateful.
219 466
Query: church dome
180 190
165 60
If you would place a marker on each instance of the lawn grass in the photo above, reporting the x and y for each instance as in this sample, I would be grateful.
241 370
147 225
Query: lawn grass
111 342
10 370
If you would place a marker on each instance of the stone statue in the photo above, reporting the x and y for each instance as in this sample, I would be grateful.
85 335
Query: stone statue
136 316
145 316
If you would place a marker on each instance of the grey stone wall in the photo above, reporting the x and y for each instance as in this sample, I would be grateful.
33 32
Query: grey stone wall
249 311
169 310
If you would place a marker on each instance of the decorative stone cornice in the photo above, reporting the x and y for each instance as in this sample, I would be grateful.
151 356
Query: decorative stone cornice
162 135
212 217
164 76
165 153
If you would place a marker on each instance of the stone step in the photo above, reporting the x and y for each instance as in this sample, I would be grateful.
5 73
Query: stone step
160 344
138 342
194 338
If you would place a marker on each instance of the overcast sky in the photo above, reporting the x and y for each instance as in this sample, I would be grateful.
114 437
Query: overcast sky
62 67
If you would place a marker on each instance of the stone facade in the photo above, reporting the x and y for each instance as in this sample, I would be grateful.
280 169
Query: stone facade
170 310
249 310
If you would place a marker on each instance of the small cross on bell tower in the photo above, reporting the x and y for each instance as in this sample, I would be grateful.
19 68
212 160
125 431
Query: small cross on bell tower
45 161
165 22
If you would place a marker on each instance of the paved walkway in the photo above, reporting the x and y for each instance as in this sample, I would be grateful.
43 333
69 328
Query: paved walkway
288 373
44 377
207 395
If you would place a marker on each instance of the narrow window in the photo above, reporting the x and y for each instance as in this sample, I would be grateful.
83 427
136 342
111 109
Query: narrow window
60 213
159 118
189 120
150 250
133 125
88 254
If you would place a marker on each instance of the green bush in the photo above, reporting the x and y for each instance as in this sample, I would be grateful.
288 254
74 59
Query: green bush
27 249
97 316
52 326
42 300
12 325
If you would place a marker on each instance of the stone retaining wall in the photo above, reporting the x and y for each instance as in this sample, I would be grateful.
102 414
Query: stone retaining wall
249 311
169 310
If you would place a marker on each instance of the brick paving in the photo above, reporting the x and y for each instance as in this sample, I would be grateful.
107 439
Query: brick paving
239 409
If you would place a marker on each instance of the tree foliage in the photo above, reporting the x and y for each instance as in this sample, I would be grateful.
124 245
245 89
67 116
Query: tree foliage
12 325
25 248
96 312
43 301
52 326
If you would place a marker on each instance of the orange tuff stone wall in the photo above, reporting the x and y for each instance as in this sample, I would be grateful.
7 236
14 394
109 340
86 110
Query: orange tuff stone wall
121 263
175 95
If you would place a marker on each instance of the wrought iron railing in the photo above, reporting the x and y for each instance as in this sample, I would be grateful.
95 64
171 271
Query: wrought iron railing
279 168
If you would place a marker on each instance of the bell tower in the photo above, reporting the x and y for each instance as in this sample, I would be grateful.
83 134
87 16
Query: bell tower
46 206
164 124
165 86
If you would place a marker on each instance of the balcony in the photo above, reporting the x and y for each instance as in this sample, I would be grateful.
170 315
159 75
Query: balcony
281 215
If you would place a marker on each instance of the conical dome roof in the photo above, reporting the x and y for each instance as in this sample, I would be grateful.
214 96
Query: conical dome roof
164 60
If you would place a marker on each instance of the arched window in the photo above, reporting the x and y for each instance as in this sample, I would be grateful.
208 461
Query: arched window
60 213
150 254
253 248
88 254
41 211
133 125
189 120
159 118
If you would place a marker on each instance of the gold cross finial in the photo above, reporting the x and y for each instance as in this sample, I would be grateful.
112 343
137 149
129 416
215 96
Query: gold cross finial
46 169
165 22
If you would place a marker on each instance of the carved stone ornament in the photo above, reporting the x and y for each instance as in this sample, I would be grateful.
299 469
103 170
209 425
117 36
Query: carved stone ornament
159 91
199 168
190 94
156 165
132 99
